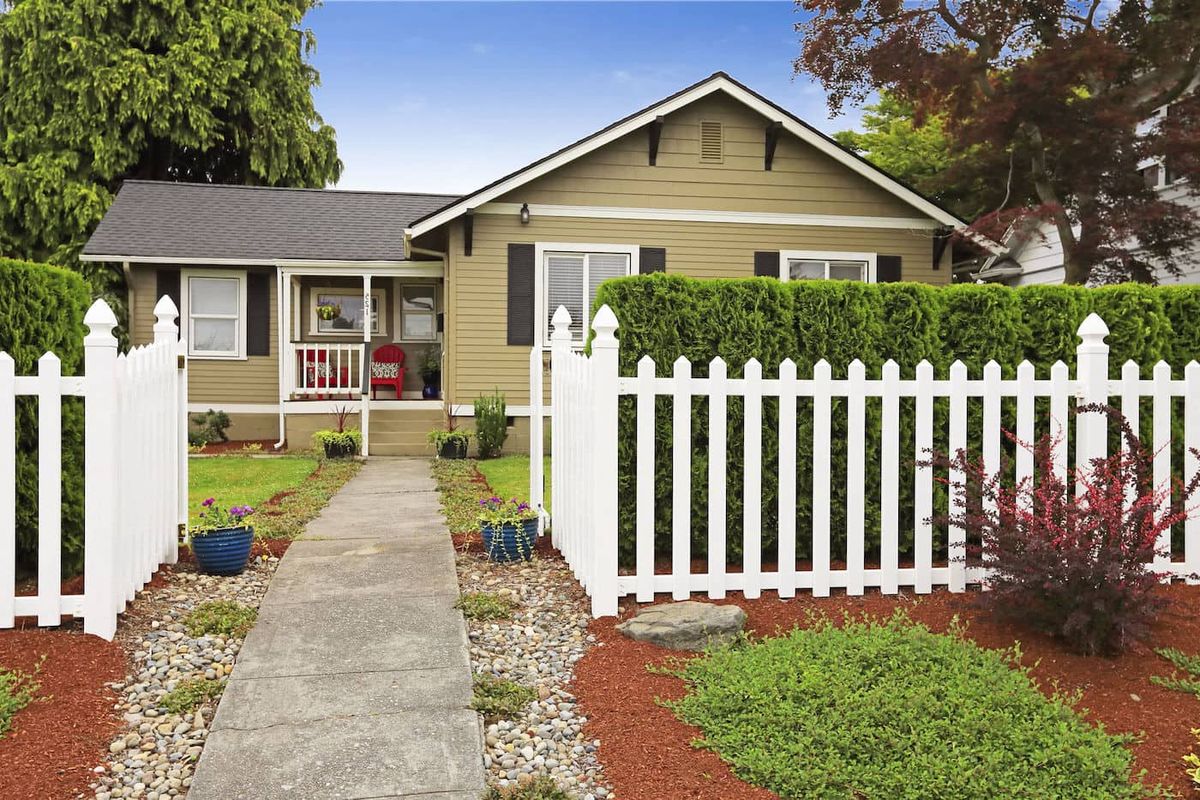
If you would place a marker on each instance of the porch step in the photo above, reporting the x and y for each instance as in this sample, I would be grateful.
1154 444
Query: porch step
385 449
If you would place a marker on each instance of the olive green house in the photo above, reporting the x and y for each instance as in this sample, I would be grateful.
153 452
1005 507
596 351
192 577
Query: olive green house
298 303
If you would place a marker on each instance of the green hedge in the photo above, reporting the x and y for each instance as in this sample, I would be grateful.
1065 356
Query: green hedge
41 309
665 316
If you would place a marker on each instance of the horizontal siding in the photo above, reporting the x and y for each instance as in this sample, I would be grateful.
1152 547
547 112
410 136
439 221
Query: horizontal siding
802 180
253 380
481 360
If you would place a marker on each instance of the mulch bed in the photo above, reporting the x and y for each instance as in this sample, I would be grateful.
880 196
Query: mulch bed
224 448
58 739
647 752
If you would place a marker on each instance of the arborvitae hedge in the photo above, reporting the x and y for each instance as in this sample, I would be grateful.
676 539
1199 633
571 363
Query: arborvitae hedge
666 316
41 309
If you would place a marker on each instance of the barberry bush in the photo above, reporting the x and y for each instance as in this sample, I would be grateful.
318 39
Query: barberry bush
1076 565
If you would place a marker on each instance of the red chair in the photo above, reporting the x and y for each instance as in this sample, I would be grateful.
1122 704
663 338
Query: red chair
320 375
387 368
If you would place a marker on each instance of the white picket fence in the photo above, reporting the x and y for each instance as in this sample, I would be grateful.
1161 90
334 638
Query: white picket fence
135 470
585 493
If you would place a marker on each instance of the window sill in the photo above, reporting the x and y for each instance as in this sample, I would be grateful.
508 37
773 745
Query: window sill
211 357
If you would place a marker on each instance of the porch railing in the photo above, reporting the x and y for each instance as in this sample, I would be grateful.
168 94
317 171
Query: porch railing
326 370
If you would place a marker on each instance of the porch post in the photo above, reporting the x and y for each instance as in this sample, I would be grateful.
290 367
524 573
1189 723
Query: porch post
365 413
283 306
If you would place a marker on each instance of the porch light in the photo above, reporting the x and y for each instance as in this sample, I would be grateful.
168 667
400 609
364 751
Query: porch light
524 213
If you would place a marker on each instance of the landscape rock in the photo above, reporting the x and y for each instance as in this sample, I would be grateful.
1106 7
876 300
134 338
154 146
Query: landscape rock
689 625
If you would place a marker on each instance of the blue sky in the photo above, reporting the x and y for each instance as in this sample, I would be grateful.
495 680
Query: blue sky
449 96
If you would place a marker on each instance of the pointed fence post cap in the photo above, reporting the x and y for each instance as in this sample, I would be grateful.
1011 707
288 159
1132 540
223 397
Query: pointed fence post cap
605 326
165 310
100 321
561 318
1093 329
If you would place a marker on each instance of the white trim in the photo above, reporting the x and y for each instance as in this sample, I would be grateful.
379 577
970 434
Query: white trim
703 215
253 262
185 277
826 255
540 249
462 410
234 408
714 84
331 406
378 295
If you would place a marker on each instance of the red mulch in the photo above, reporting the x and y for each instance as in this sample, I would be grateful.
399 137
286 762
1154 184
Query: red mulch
220 448
647 752
57 740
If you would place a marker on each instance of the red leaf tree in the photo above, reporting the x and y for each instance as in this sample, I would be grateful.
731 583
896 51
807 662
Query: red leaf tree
1050 98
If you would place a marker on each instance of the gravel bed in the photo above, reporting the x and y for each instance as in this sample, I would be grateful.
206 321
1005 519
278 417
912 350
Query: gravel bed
538 647
155 756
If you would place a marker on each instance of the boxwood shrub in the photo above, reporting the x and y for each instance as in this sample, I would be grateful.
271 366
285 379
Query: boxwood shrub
665 316
41 309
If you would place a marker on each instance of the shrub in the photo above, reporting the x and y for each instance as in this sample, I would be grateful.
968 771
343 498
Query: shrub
1189 683
41 310
1193 763
1075 567
347 441
209 426
540 788
496 698
891 710
491 424
220 618
189 693
17 690
484 606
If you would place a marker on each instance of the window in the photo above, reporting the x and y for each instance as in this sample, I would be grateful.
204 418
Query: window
797 265
340 311
571 279
215 304
418 312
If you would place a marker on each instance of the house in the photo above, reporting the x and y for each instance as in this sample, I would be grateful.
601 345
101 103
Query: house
290 297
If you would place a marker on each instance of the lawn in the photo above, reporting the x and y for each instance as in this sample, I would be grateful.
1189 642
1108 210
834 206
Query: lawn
509 476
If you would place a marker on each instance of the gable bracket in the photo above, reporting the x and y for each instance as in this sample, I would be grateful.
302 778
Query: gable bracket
655 133
773 131
468 231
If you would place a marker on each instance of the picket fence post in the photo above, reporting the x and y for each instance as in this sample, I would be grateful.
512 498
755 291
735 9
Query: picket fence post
100 600
560 349
166 337
181 442
604 365
537 481
8 490
1091 371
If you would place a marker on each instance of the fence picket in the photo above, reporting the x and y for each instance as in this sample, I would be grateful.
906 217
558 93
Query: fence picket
787 487
855 475
644 541
889 510
717 454
923 475
752 482
49 580
1059 381
681 480
8 491
1025 434
822 375
1162 457
1131 402
956 535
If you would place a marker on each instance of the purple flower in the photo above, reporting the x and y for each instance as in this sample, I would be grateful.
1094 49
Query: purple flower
209 502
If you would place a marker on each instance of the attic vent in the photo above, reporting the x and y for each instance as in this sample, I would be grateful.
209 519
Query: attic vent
712 142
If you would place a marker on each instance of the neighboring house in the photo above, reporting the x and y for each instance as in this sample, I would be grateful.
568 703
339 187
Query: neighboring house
713 181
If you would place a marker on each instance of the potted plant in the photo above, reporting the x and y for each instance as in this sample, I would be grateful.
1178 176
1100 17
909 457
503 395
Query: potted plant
450 442
328 311
431 374
508 528
221 541
339 441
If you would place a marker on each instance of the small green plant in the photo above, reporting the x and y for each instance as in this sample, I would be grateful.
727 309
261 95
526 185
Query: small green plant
195 449
430 367
191 692
252 447
485 606
439 437
220 618
209 427
339 441
1189 683
540 788
17 690
491 424
215 518
496 698
1193 763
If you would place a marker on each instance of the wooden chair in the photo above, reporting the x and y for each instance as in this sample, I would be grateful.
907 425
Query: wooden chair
387 368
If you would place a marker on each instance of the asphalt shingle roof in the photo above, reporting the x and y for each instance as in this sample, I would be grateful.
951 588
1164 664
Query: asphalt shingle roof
188 220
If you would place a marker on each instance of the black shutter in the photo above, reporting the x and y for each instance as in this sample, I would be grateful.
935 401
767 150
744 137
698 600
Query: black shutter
258 313
766 264
652 259
520 294
887 269
166 281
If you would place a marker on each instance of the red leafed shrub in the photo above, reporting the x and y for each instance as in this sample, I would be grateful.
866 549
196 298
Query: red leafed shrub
1076 567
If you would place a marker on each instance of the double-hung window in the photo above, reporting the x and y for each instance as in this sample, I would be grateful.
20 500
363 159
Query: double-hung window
340 311
571 279
215 306
796 265
418 312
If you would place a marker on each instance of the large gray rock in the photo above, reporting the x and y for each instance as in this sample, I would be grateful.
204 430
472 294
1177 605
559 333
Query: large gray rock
685 626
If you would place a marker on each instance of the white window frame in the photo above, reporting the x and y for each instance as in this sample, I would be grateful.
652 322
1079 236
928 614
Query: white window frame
185 278
541 250
433 288
378 321
825 255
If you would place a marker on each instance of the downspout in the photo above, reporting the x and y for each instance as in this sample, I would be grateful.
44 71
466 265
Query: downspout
130 299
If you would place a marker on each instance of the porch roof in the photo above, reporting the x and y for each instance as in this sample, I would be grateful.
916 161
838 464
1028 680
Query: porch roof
159 220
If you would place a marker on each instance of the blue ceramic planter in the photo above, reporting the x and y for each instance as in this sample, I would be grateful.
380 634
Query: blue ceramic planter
224 551
510 542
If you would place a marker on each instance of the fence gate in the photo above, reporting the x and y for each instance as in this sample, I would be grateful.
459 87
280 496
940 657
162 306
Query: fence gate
915 415
135 470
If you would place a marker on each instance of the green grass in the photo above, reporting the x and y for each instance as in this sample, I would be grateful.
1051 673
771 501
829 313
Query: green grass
220 618
17 690
496 698
509 476
540 788
190 693
459 493
891 710
486 606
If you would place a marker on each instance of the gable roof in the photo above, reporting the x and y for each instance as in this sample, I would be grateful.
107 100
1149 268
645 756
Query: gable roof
717 82
160 221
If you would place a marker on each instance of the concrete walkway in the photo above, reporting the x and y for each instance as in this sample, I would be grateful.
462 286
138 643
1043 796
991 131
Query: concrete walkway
356 681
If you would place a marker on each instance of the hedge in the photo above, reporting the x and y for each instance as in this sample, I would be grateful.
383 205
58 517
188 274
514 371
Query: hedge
665 316
41 309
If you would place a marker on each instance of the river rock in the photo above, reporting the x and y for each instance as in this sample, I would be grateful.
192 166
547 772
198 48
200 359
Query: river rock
689 625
